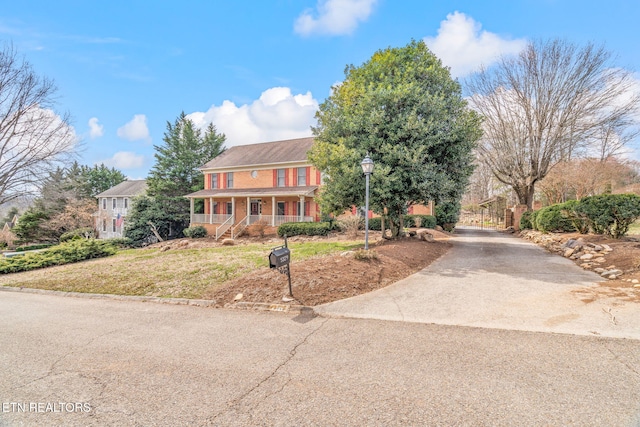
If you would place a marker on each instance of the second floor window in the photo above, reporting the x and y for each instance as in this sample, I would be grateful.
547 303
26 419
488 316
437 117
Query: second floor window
229 179
126 203
281 179
302 176
214 180
104 205
115 202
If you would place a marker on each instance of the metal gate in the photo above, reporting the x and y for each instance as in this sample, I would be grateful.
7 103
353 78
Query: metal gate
482 219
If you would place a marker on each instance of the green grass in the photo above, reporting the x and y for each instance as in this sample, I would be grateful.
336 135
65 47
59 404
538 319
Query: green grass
180 273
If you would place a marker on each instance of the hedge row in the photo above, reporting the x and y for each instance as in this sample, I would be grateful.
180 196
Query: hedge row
195 232
64 253
304 229
610 214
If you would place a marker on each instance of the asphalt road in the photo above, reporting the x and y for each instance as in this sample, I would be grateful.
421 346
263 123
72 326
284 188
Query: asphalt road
135 363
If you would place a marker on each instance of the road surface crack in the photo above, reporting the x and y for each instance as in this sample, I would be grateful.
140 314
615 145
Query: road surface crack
292 353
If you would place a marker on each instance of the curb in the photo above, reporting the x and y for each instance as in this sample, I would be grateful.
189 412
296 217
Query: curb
259 306
262 306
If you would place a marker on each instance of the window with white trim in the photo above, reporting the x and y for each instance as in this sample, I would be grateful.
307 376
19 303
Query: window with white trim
302 176
281 180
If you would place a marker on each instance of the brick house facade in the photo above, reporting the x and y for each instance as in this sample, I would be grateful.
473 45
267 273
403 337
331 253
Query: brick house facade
271 182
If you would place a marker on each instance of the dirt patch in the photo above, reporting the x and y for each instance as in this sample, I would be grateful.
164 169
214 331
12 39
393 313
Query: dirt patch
331 278
624 255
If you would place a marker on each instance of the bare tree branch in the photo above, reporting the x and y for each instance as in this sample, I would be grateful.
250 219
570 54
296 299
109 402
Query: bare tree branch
550 103
33 138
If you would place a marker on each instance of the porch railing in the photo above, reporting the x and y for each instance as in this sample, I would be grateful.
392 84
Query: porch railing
279 219
224 227
210 218
239 228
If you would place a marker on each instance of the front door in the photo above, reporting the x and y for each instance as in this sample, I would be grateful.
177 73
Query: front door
256 207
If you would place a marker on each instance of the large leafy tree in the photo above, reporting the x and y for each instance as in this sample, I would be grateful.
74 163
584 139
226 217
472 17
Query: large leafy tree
176 170
402 108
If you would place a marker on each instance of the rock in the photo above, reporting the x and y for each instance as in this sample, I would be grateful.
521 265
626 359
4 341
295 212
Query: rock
634 281
438 228
608 273
607 248
597 248
586 257
165 248
424 235
228 242
568 252
598 270
612 277
636 286
585 265
600 260
238 297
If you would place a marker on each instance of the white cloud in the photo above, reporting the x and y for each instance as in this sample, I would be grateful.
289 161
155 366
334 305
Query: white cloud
276 115
334 17
462 45
95 130
124 160
136 129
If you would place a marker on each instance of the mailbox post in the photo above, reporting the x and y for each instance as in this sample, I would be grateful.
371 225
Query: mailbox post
280 258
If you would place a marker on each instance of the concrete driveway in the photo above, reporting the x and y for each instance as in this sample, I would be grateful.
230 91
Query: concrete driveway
494 280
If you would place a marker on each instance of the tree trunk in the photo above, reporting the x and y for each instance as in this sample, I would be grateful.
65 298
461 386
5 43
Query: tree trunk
526 195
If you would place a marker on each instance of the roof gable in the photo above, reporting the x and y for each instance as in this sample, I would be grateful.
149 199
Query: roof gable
126 189
289 151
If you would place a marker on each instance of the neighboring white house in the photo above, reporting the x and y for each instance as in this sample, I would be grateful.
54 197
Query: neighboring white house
113 206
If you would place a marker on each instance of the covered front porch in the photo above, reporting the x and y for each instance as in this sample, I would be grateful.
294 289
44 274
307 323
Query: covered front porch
230 211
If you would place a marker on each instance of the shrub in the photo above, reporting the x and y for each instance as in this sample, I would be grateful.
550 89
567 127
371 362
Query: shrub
304 229
525 220
424 221
364 255
578 219
552 218
375 224
64 253
447 214
120 242
195 232
34 247
79 233
610 213
534 220
351 225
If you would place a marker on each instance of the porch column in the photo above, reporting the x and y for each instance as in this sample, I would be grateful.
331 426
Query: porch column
273 211
301 209
233 209
248 209
210 210
191 209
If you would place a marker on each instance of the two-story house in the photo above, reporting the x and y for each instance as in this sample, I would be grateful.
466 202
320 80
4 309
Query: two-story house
271 182
113 206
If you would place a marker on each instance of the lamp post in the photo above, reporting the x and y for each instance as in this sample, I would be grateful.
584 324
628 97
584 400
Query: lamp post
367 168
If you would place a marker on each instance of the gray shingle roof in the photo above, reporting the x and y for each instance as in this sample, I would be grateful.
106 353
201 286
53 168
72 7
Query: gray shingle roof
126 189
292 150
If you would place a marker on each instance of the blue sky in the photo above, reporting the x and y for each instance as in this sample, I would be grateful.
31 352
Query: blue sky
259 69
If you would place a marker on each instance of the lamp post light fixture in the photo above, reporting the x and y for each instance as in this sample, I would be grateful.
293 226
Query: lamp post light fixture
367 168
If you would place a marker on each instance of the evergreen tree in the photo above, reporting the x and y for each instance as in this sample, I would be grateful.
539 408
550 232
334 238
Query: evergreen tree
403 109
176 170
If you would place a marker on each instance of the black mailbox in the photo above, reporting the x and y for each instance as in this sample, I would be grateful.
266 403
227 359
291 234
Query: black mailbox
279 257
